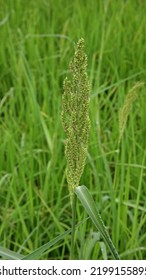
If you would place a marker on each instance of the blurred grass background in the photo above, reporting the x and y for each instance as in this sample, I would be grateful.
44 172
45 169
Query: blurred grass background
37 42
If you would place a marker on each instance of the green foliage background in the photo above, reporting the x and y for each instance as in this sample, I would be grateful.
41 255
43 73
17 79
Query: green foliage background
37 41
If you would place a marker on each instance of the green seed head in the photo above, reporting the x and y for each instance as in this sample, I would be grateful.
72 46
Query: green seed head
75 116
127 107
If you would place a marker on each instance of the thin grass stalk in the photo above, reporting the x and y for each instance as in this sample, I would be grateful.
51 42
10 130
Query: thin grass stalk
72 256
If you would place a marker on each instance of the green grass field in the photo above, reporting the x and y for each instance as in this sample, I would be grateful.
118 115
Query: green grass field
37 42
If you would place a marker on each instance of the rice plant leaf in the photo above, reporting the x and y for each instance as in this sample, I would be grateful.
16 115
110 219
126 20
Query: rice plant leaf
10 255
87 201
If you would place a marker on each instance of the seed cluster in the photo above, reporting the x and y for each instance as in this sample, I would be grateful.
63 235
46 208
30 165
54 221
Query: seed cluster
127 107
75 116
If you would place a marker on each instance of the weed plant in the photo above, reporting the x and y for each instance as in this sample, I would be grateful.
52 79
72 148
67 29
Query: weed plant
37 42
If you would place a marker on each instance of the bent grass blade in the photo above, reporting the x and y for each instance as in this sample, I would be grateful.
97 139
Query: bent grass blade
87 201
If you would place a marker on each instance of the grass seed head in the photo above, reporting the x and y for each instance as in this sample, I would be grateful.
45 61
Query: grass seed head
127 107
75 116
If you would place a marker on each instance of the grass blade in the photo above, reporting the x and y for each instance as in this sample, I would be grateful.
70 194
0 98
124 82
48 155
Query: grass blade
10 255
38 252
90 207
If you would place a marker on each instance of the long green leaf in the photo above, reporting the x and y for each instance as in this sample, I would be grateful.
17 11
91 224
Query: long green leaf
90 207
10 255
38 252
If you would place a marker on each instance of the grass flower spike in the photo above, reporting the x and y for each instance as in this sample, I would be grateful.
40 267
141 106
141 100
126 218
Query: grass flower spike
127 107
75 117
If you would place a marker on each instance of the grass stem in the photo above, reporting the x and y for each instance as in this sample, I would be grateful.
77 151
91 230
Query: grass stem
73 227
